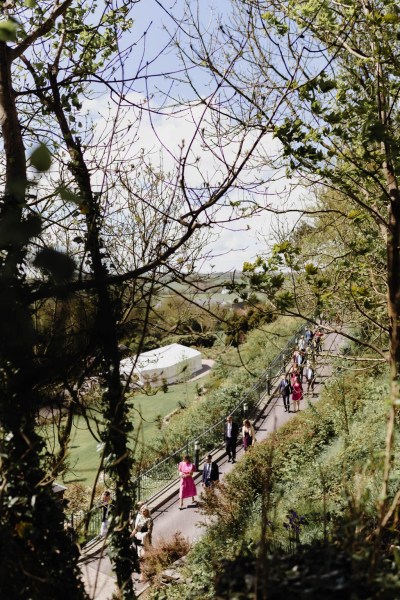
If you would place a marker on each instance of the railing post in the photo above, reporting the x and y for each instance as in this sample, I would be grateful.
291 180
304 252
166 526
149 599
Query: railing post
269 381
196 455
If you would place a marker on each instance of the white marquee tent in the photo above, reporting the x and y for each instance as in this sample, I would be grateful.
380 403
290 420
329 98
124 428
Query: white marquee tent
171 363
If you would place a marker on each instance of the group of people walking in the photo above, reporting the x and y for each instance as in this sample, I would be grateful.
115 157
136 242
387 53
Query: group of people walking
231 434
210 475
187 470
290 385
303 364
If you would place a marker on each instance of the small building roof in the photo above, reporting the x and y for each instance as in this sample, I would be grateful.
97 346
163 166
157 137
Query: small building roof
164 357
160 358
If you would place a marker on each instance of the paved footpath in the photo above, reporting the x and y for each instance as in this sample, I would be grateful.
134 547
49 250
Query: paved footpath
168 519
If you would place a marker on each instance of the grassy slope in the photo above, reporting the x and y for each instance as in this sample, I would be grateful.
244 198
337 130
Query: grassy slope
84 458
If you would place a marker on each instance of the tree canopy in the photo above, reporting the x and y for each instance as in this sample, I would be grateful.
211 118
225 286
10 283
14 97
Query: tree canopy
91 217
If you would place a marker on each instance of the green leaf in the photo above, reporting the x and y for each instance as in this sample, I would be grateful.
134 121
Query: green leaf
311 269
284 300
60 266
391 18
69 196
376 131
326 85
8 30
30 3
316 107
13 231
41 158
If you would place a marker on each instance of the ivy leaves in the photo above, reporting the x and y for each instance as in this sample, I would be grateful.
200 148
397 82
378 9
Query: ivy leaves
9 30
56 264
41 158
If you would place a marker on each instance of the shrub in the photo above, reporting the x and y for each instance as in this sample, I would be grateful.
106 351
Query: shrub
162 555
78 496
327 465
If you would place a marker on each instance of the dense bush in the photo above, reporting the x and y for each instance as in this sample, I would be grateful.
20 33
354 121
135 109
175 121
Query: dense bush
325 467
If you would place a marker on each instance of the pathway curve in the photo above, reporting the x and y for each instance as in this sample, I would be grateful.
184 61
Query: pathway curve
168 519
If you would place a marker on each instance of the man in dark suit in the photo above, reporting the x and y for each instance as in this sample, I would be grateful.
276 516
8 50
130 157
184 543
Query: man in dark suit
231 432
210 472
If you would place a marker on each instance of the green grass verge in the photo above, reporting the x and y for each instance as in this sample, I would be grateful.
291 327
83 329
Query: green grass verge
84 458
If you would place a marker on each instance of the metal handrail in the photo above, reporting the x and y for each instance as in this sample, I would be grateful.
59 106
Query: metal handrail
75 522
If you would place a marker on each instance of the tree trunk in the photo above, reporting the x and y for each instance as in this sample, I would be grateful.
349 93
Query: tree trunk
11 130
38 558
393 279
393 265
115 411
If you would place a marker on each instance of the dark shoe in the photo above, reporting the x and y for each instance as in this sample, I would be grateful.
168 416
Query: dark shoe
233 461
229 460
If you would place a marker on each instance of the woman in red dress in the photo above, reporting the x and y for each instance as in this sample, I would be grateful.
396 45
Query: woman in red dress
297 394
187 487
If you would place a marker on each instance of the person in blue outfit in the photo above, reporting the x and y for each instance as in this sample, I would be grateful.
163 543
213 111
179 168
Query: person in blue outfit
308 336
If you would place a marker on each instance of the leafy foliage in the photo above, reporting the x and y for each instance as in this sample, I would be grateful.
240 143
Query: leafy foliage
327 464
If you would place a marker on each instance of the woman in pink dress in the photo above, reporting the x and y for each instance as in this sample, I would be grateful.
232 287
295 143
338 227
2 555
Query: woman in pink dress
297 394
187 488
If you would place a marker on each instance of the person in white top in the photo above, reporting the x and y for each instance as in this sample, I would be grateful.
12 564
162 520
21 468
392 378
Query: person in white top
143 530
106 506
231 432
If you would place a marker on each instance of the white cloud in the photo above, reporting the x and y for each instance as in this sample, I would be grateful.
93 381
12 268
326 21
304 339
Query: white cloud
166 137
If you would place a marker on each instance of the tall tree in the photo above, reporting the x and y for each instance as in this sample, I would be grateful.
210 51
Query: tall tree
78 198
339 129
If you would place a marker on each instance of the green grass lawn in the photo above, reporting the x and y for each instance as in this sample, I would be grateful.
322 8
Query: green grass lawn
84 457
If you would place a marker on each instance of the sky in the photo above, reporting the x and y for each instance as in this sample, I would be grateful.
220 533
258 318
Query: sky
230 245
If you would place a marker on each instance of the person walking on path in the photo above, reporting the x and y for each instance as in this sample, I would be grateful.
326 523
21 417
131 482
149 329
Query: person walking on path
143 530
301 346
310 376
308 336
300 360
248 434
285 389
294 357
231 432
210 473
187 487
318 336
297 394
106 506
